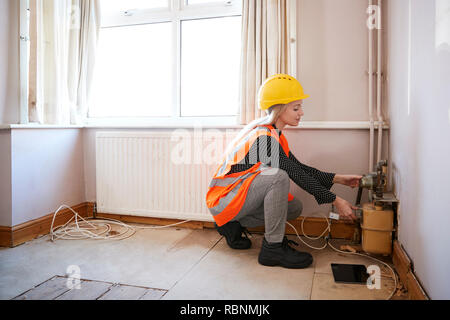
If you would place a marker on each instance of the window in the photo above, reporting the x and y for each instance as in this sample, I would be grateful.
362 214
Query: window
168 59
210 56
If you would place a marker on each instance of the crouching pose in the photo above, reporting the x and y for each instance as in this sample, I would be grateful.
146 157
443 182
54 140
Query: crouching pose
251 186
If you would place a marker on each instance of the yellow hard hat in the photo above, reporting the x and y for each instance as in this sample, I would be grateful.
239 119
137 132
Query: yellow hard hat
280 89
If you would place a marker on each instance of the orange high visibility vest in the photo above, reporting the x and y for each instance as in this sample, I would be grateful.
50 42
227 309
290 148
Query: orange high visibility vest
227 193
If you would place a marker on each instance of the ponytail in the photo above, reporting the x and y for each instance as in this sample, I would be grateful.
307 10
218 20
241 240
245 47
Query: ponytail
273 113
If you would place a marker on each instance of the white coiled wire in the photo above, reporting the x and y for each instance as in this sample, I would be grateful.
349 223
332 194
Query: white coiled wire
99 229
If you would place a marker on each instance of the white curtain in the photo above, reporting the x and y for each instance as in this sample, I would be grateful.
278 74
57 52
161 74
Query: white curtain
267 30
67 33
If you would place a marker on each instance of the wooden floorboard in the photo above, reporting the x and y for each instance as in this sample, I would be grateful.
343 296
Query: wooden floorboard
153 294
120 292
90 290
59 288
48 290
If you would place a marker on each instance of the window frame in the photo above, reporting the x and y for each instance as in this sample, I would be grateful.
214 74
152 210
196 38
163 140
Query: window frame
176 12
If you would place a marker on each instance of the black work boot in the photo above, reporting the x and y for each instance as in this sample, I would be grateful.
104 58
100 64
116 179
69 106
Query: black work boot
232 231
281 254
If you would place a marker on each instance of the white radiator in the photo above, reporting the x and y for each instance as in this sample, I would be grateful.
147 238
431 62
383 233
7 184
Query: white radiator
137 174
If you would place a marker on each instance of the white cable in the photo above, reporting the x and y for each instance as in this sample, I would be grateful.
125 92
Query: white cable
99 229
316 238
78 231
328 228
304 235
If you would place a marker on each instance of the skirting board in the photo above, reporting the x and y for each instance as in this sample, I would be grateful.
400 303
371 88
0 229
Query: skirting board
312 226
14 236
405 270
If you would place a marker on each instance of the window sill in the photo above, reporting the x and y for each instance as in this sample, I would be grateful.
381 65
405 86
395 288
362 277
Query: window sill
39 126
164 123
205 124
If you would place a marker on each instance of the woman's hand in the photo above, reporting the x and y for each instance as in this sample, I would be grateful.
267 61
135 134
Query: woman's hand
345 209
347 180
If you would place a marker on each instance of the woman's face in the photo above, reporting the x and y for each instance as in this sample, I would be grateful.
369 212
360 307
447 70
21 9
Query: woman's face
293 113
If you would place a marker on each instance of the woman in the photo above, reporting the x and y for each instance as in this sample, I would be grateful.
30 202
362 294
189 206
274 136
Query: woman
251 187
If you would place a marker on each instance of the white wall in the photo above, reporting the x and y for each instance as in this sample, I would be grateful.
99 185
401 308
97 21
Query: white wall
9 61
47 171
419 95
40 169
9 98
332 65
5 178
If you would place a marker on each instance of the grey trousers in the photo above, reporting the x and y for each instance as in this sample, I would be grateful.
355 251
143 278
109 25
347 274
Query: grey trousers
267 204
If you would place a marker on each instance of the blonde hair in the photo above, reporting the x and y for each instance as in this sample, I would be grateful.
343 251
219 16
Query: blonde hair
273 113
